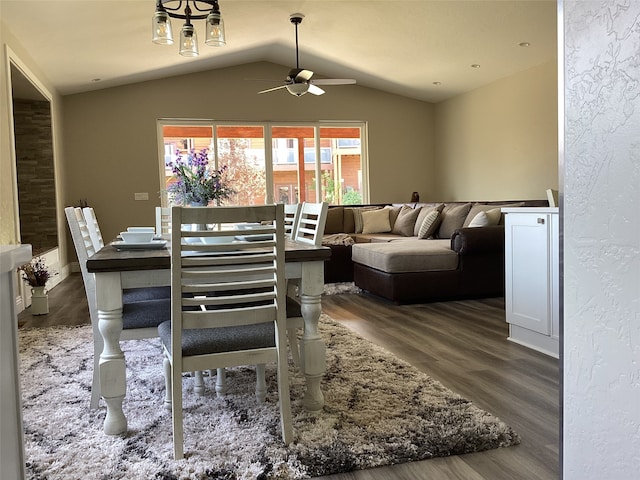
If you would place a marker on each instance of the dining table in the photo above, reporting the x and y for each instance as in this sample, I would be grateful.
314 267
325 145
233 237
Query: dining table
117 269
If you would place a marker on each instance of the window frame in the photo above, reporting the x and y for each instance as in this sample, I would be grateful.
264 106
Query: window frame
268 150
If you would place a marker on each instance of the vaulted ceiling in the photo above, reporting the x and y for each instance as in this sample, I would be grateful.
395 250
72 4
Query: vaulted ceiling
417 48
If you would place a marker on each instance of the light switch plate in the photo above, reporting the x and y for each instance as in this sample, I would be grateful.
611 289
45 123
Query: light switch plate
141 196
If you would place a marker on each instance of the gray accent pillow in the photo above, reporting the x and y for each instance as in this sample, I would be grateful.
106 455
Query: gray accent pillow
426 209
453 217
406 221
357 219
429 224
393 214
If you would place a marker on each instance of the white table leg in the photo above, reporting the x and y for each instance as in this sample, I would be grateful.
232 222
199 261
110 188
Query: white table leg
113 384
312 348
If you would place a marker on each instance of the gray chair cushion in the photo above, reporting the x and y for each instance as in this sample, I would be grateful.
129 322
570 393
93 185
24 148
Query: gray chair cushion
201 341
145 314
130 295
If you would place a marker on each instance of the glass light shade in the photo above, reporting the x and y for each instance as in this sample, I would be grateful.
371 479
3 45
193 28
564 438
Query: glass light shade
188 41
215 30
298 89
161 28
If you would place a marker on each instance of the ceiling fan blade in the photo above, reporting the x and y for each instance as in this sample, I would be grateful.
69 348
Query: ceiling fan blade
303 76
272 80
315 90
334 81
271 89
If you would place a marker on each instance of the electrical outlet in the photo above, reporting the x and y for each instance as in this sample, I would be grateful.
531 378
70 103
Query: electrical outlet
141 196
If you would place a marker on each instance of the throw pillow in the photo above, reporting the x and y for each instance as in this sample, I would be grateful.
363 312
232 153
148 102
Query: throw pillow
405 223
426 209
376 221
393 214
429 224
452 219
335 220
486 218
494 215
357 220
480 220
485 207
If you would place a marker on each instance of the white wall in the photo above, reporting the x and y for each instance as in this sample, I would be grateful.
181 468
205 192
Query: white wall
601 204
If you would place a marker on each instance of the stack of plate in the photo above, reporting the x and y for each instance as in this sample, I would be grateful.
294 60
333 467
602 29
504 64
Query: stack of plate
139 238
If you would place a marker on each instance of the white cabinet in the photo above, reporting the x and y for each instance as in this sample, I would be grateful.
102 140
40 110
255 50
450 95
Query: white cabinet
11 445
532 276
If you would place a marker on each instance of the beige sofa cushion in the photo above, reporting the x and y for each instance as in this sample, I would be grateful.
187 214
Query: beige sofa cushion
453 217
376 221
335 221
406 221
411 255
393 214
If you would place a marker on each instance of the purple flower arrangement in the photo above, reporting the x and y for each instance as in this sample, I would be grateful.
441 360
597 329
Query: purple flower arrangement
194 182
35 273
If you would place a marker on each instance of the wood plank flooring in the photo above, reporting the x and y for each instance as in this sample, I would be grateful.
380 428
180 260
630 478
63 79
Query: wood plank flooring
463 345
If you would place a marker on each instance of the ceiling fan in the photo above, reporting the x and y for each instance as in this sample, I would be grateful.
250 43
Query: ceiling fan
299 81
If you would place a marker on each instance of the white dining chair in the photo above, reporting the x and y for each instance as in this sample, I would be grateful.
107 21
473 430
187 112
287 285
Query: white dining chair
140 318
291 212
94 229
227 303
311 221
129 294
163 221
308 228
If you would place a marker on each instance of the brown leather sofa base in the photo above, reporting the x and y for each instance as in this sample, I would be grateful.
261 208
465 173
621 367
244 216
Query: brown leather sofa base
480 272
339 268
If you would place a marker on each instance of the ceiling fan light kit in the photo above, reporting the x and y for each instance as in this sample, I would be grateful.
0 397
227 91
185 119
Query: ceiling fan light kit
298 81
208 10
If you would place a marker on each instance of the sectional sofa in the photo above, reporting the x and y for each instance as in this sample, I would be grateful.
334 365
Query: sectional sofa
420 252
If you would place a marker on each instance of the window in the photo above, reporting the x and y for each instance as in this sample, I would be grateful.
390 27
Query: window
306 162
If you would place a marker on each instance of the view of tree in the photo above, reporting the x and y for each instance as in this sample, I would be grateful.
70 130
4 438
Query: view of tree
245 173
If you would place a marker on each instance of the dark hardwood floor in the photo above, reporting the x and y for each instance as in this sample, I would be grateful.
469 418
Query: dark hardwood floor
463 345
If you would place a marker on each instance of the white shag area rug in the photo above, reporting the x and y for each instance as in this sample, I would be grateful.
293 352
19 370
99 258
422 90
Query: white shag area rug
340 288
379 411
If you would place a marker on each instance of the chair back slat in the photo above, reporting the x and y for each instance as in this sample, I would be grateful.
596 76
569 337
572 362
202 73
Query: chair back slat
223 277
163 221
94 229
309 227
291 213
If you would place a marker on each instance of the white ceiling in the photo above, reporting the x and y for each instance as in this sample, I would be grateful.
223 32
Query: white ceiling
393 45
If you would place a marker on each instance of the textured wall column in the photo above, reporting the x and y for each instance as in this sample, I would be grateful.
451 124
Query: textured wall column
601 418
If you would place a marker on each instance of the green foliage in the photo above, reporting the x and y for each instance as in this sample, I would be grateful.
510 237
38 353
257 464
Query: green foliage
352 197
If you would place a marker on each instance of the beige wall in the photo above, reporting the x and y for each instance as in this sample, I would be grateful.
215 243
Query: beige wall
111 145
499 142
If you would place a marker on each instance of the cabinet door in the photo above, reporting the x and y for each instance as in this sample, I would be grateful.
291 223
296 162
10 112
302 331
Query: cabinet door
527 260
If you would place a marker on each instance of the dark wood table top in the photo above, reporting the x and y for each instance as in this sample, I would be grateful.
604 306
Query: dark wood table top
109 259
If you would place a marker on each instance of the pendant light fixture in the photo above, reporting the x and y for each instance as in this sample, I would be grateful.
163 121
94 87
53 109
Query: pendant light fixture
207 10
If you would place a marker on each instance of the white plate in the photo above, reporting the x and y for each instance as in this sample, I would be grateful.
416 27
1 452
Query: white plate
154 244
254 238
248 226
157 236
